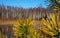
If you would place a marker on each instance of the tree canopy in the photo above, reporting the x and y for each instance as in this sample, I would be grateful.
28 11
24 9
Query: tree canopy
54 3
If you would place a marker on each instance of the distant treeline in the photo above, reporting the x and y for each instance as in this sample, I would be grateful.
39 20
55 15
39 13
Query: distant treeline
19 12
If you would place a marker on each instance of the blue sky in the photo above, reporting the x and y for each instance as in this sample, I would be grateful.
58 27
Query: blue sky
24 3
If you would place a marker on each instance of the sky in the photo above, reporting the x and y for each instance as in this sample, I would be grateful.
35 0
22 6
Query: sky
24 3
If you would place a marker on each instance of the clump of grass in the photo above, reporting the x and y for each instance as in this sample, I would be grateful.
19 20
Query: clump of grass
24 29
51 25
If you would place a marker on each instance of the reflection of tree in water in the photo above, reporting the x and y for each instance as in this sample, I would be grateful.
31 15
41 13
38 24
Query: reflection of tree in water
0 29
0 14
